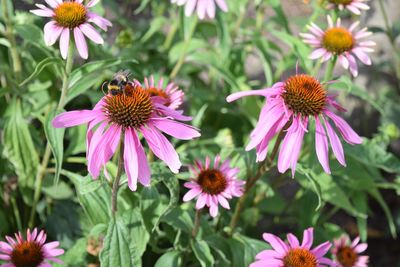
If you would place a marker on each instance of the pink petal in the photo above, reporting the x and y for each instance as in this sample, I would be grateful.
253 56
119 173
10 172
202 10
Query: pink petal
191 194
308 238
318 53
52 3
293 241
64 43
176 129
73 118
201 201
277 244
263 92
336 145
222 5
144 168
361 248
131 160
321 145
322 249
91 33
80 43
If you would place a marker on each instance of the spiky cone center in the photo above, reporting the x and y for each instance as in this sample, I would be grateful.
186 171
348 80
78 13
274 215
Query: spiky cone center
212 181
129 109
160 93
70 14
304 95
338 40
341 2
346 256
27 254
300 257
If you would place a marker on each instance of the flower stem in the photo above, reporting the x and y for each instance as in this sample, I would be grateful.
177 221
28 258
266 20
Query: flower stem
181 60
47 153
115 187
9 33
262 168
329 69
196 223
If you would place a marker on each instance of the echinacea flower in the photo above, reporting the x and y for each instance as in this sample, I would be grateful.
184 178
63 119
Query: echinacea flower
354 6
72 16
172 95
213 185
32 252
341 42
347 253
292 254
204 7
289 107
131 112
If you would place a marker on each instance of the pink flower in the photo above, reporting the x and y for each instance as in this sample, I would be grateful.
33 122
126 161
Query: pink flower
172 95
132 112
71 16
289 106
354 6
203 7
341 42
346 252
292 254
33 251
213 185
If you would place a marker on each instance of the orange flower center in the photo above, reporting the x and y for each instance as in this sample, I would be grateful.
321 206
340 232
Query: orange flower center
341 2
300 257
132 108
159 92
27 254
212 181
70 14
347 256
338 40
304 95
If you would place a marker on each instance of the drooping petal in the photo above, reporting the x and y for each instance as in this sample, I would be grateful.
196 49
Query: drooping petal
321 145
131 160
73 118
336 145
80 43
176 129
64 43
91 33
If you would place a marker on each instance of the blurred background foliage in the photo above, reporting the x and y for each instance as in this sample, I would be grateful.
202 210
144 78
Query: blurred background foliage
252 46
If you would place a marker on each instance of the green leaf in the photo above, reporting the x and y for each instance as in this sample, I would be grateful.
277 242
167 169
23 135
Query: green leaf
179 218
137 229
169 259
119 249
59 191
55 137
18 144
30 33
74 256
202 252
40 67
94 197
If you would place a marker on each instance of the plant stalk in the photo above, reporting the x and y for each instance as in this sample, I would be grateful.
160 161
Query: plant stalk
117 179
196 224
329 70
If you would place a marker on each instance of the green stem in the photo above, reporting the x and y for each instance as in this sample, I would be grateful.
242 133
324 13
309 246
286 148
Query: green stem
47 153
196 223
115 187
329 69
9 33
181 60
262 169
16 212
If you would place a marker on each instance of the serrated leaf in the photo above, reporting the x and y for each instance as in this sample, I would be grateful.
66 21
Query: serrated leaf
118 248
203 253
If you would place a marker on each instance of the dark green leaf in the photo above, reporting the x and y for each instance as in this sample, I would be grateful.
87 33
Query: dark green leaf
202 252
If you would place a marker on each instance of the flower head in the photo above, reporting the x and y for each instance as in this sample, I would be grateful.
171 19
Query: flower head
71 16
32 252
126 115
289 107
213 185
171 94
354 6
341 42
292 254
204 7
347 253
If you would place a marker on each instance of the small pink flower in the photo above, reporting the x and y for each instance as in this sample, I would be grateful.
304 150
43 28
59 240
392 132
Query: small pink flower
32 252
289 106
341 42
354 6
132 112
71 16
292 254
347 253
172 95
213 185
204 7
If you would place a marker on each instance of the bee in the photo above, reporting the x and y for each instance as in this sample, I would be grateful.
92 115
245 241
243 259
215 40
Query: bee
118 83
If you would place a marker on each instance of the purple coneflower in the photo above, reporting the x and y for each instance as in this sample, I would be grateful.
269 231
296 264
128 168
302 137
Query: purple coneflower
354 6
347 253
204 7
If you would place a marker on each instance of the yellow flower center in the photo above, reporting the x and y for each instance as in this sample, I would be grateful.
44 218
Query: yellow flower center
300 257
70 14
304 95
346 256
132 108
212 181
341 2
338 40
27 254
